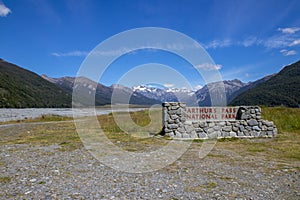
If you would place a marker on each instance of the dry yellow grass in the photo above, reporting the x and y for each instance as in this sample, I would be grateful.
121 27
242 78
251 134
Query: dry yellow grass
286 146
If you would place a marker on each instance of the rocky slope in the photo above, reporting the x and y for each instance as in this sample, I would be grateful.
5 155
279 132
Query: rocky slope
230 86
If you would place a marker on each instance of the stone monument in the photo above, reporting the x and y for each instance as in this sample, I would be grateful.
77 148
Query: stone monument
180 121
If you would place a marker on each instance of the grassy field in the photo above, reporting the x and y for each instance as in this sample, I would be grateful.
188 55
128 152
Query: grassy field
286 146
286 119
43 118
62 131
48 130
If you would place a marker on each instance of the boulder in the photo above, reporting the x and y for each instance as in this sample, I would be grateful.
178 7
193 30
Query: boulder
252 122
227 128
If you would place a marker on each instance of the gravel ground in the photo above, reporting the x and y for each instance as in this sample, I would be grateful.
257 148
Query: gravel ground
48 172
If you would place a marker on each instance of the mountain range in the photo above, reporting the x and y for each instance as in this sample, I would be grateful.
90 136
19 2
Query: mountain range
282 89
103 94
22 88
164 94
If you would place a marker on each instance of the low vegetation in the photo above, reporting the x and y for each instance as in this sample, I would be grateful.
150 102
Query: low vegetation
62 131
286 119
4 179
133 137
43 118
285 147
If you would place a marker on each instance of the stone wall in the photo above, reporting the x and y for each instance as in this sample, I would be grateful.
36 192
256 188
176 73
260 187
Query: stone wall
248 123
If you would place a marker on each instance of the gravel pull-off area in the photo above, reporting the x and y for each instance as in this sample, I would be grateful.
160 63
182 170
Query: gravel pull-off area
48 172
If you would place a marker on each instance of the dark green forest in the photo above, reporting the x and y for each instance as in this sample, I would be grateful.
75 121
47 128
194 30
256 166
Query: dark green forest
20 88
283 89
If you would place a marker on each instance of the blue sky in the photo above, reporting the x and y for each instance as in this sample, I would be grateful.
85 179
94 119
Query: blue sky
246 39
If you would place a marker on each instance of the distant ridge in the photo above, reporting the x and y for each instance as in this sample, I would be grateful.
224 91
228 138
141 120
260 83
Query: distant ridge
282 89
248 86
103 94
21 88
230 86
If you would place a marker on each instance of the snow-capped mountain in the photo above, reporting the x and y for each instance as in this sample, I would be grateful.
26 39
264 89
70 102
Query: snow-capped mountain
164 94
200 97
114 94
154 93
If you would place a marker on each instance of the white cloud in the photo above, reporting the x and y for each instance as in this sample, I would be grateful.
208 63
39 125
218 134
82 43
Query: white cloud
115 52
290 30
218 44
278 41
131 50
72 53
292 52
209 66
286 37
4 11
249 41
295 42
288 53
